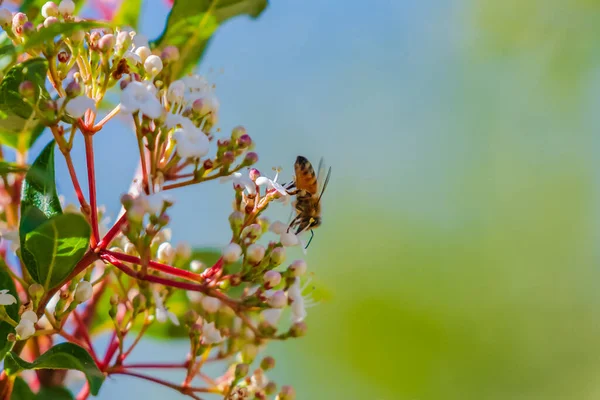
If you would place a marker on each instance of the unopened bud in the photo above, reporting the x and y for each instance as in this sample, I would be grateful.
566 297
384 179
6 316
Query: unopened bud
66 7
107 43
267 363
277 256
153 65
166 253
27 29
286 393
228 157
19 19
251 158
244 141
270 388
255 253
298 329
298 268
73 89
208 164
232 253
170 54
251 232
237 132
254 174
83 292
236 219
50 21
288 239
277 299
241 370
271 278
49 9
143 52
197 266
63 57
36 291
130 249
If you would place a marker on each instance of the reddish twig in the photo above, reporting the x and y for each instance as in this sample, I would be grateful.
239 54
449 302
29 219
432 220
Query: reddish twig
158 365
183 390
113 345
89 155
112 232
83 331
157 266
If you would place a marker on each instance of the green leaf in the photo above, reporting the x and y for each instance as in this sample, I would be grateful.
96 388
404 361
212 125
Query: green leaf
47 34
191 33
21 390
6 283
39 200
55 247
10 168
7 52
54 393
128 13
18 126
62 356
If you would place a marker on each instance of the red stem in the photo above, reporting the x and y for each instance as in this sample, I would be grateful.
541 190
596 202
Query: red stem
114 231
89 154
184 390
157 266
113 345
84 393
212 271
158 365
82 330
151 278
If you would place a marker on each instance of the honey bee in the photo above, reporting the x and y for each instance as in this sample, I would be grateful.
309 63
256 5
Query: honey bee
308 189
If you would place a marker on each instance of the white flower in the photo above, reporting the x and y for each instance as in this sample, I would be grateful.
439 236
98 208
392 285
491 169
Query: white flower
210 334
255 253
153 65
24 329
196 83
6 299
278 227
272 315
288 239
166 252
49 9
191 141
66 7
83 292
299 303
272 184
176 91
162 314
241 180
210 304
141 96
232 253
277 299
30 316
79 105
5 17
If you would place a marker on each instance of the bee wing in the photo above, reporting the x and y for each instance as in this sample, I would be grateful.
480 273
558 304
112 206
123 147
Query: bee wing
322 178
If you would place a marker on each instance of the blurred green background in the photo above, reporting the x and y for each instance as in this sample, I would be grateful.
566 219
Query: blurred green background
461 221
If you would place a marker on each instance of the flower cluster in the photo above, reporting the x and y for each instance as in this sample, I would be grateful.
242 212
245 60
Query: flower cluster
130 278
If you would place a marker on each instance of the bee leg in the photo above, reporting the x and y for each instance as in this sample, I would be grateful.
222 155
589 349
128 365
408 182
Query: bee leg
312 234
292 223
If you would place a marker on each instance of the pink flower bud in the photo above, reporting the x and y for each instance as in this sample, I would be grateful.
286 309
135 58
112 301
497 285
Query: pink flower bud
271 279
277 299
